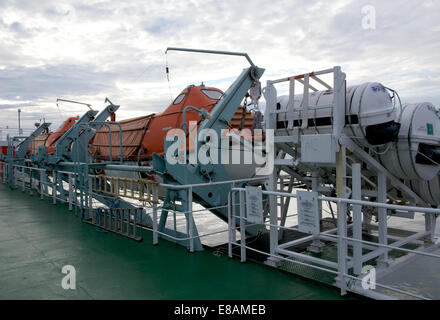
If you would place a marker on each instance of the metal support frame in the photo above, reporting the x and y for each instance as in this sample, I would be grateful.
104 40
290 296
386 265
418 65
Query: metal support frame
341 268
317 245
288 139
357 218
190 239
22 147
219 117
282 142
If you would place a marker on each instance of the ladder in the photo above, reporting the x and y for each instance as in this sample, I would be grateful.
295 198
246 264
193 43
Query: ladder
122 221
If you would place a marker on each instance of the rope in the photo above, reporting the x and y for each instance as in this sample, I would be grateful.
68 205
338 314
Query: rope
383 152
426 157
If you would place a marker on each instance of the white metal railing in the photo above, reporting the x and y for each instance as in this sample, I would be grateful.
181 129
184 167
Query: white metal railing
49 184
189 191
25 178
339 236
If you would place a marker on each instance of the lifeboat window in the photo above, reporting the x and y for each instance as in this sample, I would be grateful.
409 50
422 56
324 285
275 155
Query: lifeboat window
179 98
212 94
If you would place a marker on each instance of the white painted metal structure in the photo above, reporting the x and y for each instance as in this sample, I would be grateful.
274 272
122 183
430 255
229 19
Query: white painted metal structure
338 159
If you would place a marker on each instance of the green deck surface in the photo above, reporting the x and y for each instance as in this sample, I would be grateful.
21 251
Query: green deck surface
37 239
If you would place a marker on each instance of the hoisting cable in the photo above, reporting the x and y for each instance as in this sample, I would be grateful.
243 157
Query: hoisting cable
243 114
59 110
167 71
138 148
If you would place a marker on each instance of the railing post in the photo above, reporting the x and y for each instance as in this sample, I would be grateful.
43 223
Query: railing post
30 181
155 198
270 95
90 202
338 101
70 192
242 229
316 245
273 215
231 194
41 185
342 216
54 187
233 215
382 213
22 179
190 220
15 172
305 103
357 219
136 211
342 246
430 222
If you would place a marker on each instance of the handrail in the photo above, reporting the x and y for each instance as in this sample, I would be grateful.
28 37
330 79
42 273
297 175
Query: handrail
355 202
186 186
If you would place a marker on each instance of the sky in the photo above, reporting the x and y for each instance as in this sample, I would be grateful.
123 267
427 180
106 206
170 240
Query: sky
89 50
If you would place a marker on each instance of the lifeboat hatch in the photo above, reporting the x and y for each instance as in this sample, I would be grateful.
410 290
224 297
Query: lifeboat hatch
382 133
428 154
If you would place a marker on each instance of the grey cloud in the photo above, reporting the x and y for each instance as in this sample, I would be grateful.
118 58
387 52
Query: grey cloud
15 106
51 81
276 34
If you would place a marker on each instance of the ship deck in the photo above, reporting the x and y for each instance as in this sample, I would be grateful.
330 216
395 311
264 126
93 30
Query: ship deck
38 238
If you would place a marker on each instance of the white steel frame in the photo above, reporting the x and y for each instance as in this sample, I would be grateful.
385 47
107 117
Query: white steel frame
361 218
339 236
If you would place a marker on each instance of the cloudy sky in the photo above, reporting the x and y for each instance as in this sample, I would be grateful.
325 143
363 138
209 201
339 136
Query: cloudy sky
89 50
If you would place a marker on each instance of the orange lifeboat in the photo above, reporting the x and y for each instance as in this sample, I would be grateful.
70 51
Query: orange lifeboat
53 138
38 141
49 139
143 136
